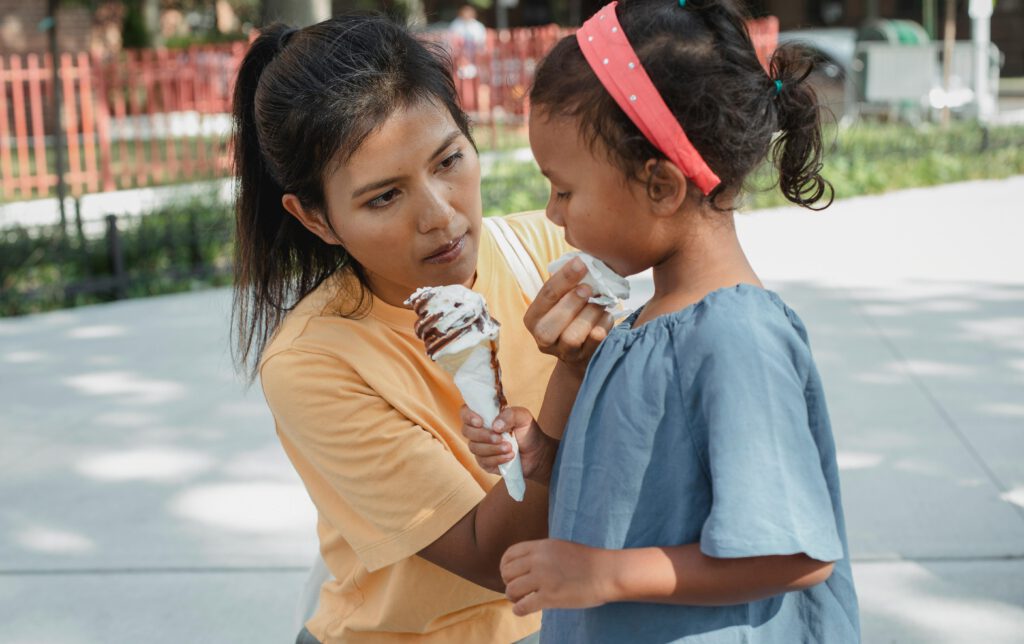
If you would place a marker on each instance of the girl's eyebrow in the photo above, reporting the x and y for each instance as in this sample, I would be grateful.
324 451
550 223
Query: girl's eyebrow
376 185
553 176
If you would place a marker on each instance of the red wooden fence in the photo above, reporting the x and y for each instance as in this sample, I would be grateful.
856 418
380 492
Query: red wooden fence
150 117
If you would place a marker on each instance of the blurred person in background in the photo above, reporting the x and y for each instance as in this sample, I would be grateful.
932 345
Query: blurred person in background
466 26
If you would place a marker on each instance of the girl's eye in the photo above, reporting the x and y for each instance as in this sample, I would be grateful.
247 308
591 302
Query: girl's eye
451 161
383 200
561 196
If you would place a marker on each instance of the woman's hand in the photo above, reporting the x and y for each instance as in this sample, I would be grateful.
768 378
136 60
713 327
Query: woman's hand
556 574
562 321
536 449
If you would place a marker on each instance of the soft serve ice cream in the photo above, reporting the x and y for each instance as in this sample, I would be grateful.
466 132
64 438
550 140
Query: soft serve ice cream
462 337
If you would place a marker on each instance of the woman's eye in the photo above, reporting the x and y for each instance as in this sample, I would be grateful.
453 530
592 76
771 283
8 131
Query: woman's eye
451 161
383 200
561 196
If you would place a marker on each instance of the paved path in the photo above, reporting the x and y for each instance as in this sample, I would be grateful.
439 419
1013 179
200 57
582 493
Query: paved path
145 499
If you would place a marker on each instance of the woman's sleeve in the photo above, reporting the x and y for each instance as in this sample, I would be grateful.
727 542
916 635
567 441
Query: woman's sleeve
394 487
769 493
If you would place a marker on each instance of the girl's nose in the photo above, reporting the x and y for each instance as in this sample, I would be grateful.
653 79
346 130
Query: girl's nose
553 211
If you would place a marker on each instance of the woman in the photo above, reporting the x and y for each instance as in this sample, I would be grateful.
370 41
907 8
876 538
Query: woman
360 182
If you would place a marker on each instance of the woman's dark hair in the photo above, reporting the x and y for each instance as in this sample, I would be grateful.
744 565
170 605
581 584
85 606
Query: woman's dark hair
702 62
305 99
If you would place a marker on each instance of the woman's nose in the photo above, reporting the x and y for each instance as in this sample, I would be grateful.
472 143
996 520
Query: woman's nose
437 211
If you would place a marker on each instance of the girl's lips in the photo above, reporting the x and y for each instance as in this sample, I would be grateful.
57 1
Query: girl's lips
448 253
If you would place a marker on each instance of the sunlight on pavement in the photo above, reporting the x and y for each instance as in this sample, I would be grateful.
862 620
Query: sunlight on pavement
933 368
858 460
879 378
1015 496
122 383
1012 410
98 331
257 507
932 608
42 539
24 357
162 465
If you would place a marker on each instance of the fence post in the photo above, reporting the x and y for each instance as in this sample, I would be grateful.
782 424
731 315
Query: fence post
116 255
195 257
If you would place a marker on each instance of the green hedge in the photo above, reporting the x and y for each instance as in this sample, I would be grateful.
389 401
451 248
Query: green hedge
180 248
189 245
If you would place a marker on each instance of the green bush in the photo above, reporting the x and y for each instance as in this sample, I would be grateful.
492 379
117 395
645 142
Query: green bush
182 247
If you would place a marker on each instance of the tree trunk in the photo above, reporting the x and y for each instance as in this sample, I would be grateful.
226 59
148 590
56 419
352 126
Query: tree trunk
297 13
948 41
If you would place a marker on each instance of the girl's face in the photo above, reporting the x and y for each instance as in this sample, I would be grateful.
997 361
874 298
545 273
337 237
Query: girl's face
602 212
406 205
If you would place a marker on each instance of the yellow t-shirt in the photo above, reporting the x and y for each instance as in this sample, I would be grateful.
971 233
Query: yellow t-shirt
372 427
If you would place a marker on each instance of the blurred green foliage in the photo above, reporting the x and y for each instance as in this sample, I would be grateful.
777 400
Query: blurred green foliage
189 245
180 248
871 158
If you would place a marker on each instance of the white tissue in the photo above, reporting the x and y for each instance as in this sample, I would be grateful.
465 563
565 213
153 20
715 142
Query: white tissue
608 286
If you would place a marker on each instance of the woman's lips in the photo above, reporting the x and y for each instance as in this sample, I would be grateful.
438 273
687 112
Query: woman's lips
447 253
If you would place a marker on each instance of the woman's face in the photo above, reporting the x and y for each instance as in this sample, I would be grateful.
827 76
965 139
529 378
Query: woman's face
406 205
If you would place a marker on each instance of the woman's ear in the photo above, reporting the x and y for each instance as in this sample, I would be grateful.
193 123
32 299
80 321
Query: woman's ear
666 186
312 220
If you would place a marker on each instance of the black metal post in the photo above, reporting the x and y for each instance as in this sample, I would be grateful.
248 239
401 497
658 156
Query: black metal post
116 254
58 121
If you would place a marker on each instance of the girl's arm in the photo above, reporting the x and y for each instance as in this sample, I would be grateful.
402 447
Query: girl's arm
559 397
559 574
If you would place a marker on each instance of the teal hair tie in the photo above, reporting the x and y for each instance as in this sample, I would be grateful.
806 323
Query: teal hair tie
778 87
682 3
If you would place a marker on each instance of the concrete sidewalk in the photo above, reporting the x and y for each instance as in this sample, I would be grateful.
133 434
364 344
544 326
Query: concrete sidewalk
145 498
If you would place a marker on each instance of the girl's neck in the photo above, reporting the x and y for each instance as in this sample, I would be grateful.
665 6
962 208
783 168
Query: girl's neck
706 256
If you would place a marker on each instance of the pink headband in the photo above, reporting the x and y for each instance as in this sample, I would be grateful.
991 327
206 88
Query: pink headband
617 66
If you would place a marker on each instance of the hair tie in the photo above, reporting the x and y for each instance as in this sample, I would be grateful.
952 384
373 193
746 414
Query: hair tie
778 87
682 3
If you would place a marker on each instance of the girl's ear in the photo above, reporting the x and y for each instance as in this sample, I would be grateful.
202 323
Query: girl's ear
312 221
666 186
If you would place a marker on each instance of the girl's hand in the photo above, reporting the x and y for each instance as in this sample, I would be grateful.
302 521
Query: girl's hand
561 320
556 574
536 449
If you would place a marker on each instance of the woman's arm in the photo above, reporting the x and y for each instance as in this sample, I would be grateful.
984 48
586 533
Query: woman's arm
473 547
560 574
564 324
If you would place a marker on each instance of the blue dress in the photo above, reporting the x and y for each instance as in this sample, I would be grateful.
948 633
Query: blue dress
706 425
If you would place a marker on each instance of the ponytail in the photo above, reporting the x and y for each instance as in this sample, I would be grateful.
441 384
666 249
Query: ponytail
797 151
276 257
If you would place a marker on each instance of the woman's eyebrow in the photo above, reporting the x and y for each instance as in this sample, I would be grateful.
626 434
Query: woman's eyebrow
376 185
447 141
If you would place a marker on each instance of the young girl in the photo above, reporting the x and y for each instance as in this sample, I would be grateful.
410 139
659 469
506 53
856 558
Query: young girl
695 493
